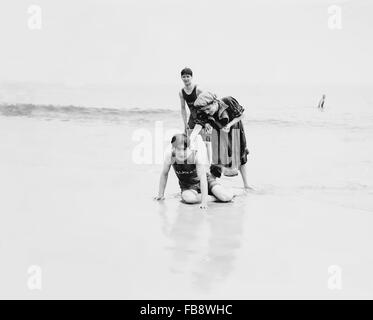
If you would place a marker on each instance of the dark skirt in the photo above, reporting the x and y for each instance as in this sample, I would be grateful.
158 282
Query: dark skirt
229 149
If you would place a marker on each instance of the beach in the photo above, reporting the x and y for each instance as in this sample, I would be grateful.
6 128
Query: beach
75 203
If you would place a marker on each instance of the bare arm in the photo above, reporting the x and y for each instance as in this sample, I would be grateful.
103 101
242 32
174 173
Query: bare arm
163 178
201 171
199 91
183 111
202 166
233 122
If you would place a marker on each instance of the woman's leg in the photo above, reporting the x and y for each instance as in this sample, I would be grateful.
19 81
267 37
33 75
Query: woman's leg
191 196
221 193
244 176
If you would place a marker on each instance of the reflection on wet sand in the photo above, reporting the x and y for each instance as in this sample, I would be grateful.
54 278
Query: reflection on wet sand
226 230
203 245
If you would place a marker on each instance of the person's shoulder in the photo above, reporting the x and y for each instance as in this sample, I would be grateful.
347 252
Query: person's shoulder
232 103
198 89
167 157
181 95
228 99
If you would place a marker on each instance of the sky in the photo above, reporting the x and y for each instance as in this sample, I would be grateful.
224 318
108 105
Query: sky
107 42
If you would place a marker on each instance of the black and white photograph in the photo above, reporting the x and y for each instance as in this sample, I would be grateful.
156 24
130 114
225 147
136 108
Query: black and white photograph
186 150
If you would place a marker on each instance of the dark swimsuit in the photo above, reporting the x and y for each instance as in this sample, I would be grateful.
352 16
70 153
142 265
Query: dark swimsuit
187 175
189 99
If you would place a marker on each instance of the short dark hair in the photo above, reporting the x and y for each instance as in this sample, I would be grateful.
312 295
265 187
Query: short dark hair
180 138
187 71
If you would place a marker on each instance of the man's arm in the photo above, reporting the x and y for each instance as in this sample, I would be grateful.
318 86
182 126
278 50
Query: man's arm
183 111
201 171
202 165
199 91
164 177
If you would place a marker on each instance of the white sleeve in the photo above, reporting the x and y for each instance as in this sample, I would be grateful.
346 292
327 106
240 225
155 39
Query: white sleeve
195 133
195 142
200 146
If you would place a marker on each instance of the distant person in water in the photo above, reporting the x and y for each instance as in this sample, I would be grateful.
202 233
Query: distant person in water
229 148
188 95
192 170
322 102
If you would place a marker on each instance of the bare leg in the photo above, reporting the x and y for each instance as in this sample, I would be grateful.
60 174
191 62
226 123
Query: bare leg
222 194
244 176
191 196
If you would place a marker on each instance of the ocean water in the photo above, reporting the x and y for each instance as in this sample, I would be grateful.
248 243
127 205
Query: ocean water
357 116
347 107
295 148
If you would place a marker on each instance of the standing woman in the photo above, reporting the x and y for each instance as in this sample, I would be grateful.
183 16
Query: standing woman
188 95
229 147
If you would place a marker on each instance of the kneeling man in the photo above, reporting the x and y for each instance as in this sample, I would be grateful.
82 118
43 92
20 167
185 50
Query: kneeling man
192 170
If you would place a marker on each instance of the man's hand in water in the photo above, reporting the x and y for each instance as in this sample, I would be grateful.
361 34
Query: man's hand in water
203 206
159 198
247 189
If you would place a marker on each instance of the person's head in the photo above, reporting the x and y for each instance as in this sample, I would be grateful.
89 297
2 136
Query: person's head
207 102
180 143
187 76
211 108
